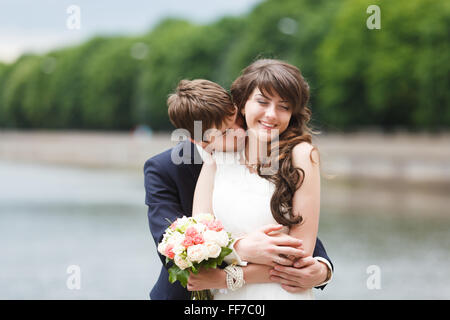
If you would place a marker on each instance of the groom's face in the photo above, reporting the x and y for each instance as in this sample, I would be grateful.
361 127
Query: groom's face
229 137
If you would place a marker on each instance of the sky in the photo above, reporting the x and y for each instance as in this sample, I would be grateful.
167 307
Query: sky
42 25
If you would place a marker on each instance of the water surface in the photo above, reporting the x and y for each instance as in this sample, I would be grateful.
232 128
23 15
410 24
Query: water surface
53 217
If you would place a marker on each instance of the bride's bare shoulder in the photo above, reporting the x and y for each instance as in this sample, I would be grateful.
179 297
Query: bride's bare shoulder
305 153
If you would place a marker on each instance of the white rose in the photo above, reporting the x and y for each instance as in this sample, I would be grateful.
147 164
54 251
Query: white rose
223 238
182 263
176 239
166 236
200 227
209 236
213 249
183 220
183 223
178 249
197 253
220 238
162 248
204 217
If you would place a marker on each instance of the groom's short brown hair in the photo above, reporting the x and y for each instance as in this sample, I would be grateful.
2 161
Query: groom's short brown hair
199 100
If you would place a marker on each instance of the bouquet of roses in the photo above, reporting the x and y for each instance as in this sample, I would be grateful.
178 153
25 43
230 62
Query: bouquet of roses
192 243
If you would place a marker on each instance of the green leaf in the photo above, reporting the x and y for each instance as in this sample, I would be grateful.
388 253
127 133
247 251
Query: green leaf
175 273
225 251
208 263
195 268
183 277
212 263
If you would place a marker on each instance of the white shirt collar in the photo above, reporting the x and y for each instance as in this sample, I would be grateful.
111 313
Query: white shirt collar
201 151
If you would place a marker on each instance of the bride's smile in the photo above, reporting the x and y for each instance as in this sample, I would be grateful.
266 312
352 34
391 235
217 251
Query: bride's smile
267 115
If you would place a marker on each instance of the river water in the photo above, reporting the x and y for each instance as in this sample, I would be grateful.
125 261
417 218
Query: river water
54 217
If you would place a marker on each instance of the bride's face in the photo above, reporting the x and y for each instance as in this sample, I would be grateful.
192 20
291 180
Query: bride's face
266 115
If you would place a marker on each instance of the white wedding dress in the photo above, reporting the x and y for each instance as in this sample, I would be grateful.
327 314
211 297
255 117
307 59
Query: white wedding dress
241 201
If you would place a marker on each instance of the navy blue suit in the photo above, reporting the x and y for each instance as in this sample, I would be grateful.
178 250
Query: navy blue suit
169 195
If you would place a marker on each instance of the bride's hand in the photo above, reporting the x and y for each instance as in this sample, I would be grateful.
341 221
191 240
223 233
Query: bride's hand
207 279
262 247
306 273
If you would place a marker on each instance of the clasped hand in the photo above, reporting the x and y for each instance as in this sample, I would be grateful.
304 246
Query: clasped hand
269 246
280 257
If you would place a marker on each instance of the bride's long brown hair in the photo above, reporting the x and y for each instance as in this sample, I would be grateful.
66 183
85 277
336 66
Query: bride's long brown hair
288 82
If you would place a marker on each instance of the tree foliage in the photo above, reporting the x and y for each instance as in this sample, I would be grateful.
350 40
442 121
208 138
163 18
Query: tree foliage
395 76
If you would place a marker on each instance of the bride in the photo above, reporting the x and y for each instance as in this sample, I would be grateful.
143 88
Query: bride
273 178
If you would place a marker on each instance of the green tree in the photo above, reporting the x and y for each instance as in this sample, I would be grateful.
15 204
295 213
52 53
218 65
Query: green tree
287 30
109 80
3 76
179 50
395 76
21 78
67 85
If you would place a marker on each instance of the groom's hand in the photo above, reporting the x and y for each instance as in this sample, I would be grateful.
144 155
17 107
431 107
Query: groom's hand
306 273
262 248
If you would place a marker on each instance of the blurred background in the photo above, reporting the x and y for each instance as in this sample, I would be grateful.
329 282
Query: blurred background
83 89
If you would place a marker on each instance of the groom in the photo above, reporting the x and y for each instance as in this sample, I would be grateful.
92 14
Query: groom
170 187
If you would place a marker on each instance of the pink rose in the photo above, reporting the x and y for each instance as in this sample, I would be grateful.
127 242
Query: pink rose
168 251
215 226
198 239
191 232
173 226
188 241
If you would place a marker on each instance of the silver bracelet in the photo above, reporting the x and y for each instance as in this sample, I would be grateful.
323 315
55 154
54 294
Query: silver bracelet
235 277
